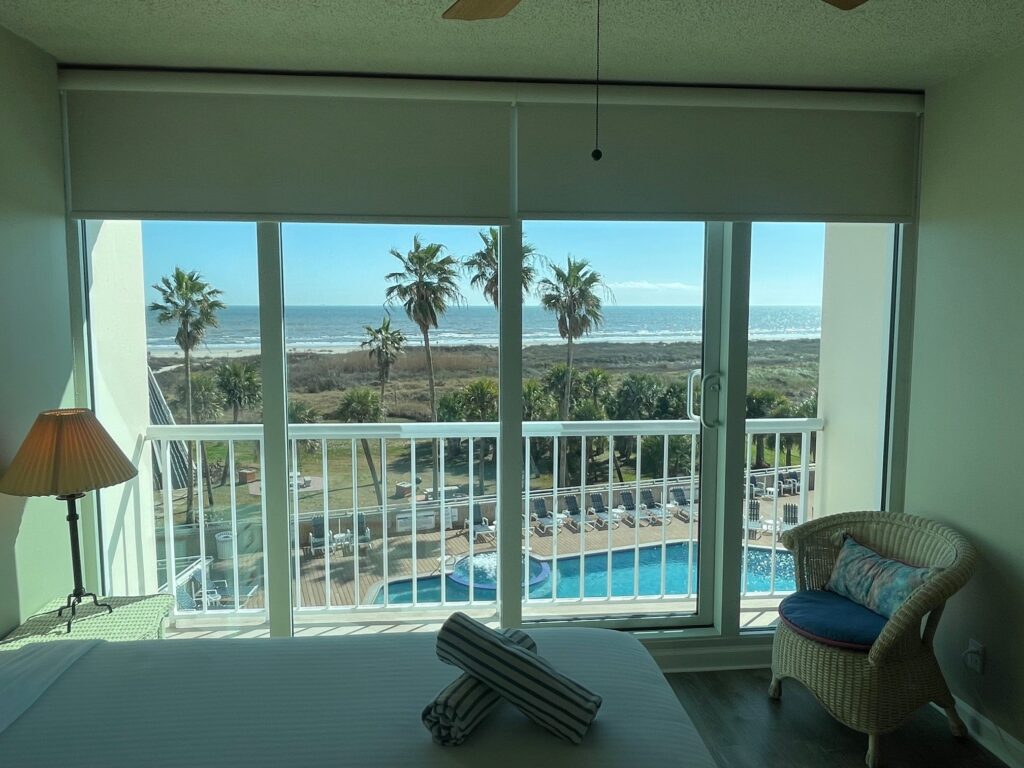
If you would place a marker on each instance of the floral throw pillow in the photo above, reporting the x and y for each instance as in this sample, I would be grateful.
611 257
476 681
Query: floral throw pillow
876 582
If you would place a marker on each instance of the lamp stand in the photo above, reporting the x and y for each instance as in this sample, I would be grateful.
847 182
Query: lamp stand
76 598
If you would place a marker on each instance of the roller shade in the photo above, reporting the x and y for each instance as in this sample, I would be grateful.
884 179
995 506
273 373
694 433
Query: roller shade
203 155
717 163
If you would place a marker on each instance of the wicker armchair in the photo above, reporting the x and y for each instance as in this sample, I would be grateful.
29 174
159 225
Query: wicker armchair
876 692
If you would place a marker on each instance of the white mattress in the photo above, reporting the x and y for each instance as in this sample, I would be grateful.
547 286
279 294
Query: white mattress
334 701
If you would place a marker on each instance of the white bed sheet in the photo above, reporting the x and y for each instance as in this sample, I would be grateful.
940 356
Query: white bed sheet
334 701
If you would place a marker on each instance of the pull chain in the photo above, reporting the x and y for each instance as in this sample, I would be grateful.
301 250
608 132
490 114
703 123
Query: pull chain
597 154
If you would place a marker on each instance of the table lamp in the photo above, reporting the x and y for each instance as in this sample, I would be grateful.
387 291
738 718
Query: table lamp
66 454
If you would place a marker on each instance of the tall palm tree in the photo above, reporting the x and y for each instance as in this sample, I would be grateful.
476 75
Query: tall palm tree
426 286
596 386
385 344
362 406
482 266
241 386
208 406
572 295
190 302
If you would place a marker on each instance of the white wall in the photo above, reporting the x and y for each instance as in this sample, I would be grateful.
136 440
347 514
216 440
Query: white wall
35 324
855 311
966 413
120 392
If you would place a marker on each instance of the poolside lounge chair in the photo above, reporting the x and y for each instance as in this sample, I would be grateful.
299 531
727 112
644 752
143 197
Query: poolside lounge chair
652 510
753 524
790 517
601 517
542 520
791 481
629 510
575 519
480 527
681 503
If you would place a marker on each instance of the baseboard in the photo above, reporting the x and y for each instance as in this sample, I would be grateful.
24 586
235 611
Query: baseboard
989 735
690 657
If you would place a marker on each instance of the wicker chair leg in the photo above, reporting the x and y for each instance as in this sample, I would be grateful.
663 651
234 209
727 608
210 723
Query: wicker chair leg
775 688
871 759
956 725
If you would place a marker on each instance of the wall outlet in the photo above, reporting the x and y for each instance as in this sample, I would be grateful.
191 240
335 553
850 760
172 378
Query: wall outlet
974 656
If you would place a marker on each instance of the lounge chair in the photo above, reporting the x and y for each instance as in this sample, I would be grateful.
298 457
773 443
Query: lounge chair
629 510
480 527
790 517
653 510
575 519
753 524
601 517
682 504
542 520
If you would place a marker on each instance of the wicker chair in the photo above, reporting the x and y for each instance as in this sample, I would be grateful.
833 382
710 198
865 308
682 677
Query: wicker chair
876 692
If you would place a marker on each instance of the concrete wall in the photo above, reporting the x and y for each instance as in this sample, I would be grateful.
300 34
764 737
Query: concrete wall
855 311
120 392
966 413
35 324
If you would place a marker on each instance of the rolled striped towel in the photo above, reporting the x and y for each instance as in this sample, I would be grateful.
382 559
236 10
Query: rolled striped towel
527 681
462 705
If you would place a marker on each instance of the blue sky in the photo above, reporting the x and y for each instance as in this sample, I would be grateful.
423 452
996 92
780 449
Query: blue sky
643 263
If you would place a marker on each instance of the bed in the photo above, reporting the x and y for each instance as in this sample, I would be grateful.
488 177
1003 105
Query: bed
332 701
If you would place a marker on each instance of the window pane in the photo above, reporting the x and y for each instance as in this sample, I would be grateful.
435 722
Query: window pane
612 328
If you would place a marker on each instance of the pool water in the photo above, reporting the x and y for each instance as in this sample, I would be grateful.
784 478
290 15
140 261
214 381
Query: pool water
680 560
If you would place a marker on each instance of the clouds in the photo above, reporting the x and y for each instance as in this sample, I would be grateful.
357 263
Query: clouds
649 285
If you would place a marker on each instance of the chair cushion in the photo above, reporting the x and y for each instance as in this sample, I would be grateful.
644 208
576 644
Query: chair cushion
873 581
831 619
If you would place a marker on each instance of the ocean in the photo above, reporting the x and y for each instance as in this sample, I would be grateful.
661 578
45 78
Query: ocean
312 328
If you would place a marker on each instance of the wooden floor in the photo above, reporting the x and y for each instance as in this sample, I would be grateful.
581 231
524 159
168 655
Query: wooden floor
743 728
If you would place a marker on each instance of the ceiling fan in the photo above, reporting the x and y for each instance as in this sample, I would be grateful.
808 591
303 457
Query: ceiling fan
476 10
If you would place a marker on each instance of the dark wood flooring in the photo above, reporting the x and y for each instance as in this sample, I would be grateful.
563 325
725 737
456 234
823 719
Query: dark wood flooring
743 728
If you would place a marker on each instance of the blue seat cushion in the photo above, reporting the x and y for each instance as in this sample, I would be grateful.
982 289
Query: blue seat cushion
831 619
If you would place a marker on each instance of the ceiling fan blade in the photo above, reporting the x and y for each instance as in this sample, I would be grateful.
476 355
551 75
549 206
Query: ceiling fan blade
476 10
846 5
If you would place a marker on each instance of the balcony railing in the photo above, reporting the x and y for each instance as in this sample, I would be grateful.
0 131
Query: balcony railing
610 514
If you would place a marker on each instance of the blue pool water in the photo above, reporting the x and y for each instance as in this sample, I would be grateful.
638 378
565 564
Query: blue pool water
594 583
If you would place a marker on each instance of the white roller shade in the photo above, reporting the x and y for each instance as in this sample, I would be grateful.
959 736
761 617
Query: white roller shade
138 154
717 163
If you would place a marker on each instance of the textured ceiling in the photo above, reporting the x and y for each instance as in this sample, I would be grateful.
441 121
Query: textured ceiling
901 44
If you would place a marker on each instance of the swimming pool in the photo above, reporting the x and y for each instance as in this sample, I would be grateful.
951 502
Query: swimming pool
678 562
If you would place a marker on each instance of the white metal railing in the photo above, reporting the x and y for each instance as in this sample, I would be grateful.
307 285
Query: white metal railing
352 553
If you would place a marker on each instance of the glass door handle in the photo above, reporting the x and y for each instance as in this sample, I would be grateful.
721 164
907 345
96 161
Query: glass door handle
690 413
712 382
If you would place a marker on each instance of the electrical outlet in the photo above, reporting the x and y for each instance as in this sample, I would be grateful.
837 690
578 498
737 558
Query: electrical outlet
974 656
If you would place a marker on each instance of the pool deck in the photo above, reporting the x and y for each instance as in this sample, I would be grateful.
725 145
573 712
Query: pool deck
433 549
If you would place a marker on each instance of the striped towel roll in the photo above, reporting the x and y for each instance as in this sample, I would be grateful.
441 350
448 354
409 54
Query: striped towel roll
462 705
526 680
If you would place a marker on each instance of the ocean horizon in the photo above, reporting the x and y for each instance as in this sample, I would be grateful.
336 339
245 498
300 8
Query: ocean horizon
342 328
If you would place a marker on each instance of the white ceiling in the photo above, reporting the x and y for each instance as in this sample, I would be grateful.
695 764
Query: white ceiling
897 44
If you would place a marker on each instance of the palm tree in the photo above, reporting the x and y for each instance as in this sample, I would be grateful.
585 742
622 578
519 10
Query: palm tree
538 405
426 286
304 413
480 403
571 294
189 301
385 345
636 399
596 386
482 266
762 404
362 406
241 386
208 406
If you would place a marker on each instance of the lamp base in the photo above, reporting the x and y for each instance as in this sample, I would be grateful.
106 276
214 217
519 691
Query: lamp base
76 599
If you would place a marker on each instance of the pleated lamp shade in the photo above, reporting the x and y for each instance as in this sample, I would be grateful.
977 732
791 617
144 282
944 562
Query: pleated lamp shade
66 452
